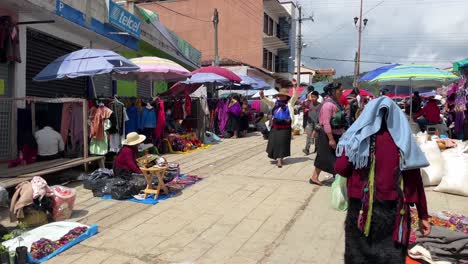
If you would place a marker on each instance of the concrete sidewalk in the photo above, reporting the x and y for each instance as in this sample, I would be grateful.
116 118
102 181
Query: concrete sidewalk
244 211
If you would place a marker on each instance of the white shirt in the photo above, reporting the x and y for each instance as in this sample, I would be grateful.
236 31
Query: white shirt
49 141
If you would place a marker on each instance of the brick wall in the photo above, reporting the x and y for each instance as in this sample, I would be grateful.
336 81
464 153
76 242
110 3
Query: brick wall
240 27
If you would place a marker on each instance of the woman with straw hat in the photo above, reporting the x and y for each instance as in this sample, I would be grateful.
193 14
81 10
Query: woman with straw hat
125 162
279 139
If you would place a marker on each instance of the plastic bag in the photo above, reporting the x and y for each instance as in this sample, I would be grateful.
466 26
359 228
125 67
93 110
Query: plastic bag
97 179
63 202
121 190
339 196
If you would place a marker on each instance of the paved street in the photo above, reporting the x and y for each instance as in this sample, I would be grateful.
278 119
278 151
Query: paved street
244 211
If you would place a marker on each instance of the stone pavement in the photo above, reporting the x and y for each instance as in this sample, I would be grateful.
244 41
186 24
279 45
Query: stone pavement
244 211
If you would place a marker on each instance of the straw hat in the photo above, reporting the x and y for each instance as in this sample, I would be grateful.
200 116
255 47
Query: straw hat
283 91
134 139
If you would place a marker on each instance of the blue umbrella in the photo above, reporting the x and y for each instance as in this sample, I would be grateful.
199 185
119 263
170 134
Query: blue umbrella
372 74
251 83
261 84
206 78
246 80
85 62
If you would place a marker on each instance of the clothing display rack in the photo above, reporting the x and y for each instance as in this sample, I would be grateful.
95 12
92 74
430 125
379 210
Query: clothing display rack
18 174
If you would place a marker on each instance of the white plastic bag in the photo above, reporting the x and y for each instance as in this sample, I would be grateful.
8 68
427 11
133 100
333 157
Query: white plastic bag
433 174
455 180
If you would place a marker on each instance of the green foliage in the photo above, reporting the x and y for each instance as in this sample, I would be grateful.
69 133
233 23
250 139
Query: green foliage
321 78
348 81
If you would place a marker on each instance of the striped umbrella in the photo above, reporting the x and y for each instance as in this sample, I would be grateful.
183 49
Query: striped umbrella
415 76
157 69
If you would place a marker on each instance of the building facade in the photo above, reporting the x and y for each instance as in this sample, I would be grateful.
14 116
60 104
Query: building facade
257 33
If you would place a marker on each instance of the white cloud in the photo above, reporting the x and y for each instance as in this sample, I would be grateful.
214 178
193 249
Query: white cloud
399 31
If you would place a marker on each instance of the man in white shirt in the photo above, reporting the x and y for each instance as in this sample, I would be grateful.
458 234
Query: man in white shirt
49 144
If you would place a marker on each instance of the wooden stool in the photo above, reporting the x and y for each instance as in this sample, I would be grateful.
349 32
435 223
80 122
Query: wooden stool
149 173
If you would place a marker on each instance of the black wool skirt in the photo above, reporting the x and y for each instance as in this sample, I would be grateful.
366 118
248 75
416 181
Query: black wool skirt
378 247
326 156
279 143
233 123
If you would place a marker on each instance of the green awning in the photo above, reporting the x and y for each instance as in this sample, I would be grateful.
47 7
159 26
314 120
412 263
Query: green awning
148 15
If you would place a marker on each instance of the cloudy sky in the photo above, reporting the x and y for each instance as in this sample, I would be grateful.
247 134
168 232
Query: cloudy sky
399 31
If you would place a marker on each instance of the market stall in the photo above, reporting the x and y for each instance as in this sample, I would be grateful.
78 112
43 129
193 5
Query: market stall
76 136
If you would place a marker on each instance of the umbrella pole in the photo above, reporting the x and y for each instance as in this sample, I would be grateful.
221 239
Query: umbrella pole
411 98
93 87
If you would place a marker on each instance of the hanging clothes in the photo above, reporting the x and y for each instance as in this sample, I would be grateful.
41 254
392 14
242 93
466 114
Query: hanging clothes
222 112
133 122
118 108
97 117
148 118
161 120
188 106
9 41
100 146
178 110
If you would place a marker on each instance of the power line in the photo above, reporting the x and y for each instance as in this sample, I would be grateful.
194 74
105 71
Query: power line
344 60
181 14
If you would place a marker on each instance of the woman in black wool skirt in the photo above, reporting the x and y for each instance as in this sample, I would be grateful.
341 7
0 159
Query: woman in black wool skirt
279 139
381 161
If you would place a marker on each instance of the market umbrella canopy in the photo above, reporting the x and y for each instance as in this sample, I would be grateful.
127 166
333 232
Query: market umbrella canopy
269 92
86 62
231 76
460 64
251 83
415 76
157 69
362 92
206 78
372 74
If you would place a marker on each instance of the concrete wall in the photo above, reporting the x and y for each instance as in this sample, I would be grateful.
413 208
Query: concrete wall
240 27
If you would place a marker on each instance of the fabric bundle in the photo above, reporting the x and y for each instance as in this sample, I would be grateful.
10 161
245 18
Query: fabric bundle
45 247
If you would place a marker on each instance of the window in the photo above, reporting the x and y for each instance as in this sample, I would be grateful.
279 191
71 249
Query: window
270 26
270 61
265 23
277 63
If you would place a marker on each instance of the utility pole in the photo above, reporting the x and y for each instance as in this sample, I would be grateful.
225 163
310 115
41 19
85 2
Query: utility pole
299 47
360 29
215 24
299 43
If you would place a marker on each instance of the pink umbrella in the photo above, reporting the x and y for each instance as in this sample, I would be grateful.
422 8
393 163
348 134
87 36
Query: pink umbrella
157 69
220 71
362 92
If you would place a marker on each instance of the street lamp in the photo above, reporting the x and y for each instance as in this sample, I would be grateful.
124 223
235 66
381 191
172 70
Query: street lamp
360 28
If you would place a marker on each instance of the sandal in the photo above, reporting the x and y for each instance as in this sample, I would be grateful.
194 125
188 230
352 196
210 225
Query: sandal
314 182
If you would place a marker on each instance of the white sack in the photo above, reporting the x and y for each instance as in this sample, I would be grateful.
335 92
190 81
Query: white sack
433 174
455 180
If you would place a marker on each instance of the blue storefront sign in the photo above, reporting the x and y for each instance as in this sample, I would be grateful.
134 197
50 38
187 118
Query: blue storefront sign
124 20
77 17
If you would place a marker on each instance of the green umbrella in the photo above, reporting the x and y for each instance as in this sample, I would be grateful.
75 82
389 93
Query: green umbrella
460 64
415 76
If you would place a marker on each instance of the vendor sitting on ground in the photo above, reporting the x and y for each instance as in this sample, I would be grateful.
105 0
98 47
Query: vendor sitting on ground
125 162
430 114
50 144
